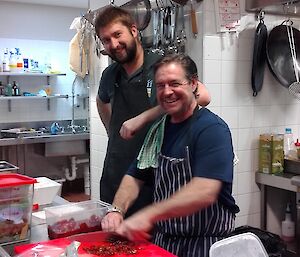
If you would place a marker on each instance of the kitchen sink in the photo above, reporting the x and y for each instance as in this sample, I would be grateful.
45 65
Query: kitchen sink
65 148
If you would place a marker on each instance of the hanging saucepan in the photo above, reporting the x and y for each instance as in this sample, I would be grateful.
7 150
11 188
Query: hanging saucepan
140 10
279 54
259 57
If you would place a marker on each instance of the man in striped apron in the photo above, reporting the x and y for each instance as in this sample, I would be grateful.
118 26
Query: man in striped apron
188 156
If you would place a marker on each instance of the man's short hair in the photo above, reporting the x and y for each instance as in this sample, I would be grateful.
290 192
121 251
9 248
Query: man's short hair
112 14
184 60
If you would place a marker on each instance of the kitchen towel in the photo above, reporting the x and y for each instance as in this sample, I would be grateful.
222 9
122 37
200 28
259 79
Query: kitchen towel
148 156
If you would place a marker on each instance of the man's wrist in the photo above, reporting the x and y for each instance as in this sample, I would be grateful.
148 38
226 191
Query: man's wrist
114 208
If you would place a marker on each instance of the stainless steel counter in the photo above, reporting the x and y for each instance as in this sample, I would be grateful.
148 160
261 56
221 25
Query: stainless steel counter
282 181
44 139
276 192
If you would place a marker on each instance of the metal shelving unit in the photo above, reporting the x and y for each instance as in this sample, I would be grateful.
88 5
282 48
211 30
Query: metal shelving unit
31 74
10 98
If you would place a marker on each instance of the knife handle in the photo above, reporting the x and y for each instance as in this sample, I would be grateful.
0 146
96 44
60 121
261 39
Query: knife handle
194 21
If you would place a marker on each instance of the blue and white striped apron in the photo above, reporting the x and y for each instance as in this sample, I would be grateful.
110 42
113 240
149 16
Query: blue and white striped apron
193 235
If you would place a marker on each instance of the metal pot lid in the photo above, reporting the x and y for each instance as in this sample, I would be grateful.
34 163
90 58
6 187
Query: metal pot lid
279 54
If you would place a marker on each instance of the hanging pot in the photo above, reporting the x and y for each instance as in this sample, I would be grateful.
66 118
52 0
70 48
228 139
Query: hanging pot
141 12
279 54
259 57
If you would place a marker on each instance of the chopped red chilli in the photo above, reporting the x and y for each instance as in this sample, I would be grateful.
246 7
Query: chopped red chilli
112 248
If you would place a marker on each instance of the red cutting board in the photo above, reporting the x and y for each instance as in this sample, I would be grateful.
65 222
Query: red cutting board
87 240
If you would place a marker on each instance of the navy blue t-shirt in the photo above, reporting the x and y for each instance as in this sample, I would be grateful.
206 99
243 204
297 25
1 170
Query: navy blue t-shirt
210 147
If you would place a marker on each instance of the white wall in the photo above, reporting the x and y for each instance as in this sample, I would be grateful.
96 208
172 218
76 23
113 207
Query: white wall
227 64
40 32
226 67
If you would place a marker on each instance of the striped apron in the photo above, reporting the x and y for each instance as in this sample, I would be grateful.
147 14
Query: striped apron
189 236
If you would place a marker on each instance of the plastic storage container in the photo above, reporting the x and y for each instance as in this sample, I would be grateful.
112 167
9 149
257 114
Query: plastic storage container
16 192
75 218
242 245
45 191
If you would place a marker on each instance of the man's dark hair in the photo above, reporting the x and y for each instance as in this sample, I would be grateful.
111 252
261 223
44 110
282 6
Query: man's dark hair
112 14
184 60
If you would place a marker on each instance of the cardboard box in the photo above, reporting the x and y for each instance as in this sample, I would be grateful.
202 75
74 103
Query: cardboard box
271 155
265 158
277 153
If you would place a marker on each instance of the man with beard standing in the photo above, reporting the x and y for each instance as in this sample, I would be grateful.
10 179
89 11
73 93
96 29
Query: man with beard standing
126 91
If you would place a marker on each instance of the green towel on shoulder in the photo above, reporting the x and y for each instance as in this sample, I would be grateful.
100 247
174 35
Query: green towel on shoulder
148 156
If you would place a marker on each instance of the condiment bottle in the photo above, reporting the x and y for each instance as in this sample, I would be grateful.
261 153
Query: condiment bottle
289 146
2 91
15 89
288 226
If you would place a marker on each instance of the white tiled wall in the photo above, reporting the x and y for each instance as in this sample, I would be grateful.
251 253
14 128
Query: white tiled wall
226 66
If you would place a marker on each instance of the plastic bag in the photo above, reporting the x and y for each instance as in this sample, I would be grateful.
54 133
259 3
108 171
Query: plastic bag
41 250
273 244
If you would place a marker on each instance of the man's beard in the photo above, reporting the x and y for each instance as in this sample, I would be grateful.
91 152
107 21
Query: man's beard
130 53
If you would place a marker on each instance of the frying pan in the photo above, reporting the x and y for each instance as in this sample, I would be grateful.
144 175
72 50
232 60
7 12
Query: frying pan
279 54
259 57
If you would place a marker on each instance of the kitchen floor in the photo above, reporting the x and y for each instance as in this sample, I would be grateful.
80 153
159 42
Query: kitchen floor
73 191
76 197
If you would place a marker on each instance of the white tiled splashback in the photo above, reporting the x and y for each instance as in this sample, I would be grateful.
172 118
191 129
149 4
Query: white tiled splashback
226 67
227 64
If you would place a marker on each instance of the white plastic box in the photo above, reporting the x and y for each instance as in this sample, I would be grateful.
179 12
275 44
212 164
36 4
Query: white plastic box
241 245
16 192
75 218
45 191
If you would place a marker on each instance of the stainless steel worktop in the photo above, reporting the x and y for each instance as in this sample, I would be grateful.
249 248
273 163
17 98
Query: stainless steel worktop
44 139
276 191
282 181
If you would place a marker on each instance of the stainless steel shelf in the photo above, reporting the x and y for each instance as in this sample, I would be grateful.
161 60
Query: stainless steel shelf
31 97
10 98
31 74
44 139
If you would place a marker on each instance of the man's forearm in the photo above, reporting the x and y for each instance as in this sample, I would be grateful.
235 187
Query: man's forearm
127 193
152 114
104 111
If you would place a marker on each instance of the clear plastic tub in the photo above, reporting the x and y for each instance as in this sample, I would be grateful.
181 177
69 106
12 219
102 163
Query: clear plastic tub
242 245
16 192
75 218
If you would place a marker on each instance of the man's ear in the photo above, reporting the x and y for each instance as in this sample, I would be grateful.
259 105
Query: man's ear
134 30
194 84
